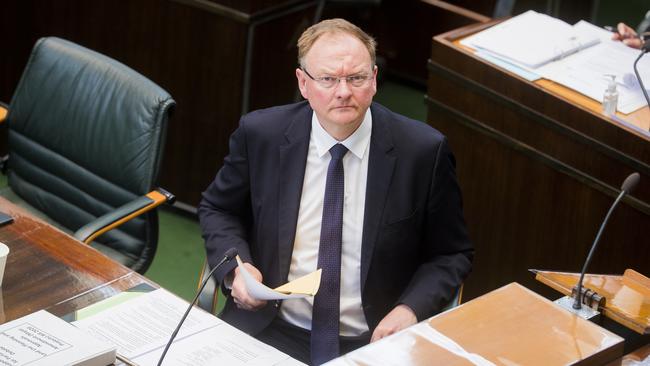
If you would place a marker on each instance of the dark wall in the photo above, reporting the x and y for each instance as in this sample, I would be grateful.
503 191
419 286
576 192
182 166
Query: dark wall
197 54
197 50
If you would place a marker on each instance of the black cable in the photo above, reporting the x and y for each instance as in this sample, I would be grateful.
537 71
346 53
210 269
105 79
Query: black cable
638 77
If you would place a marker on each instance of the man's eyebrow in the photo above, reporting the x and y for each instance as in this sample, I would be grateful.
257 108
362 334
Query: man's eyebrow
328 72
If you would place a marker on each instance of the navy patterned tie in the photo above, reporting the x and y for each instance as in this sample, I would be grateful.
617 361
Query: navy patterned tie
325 315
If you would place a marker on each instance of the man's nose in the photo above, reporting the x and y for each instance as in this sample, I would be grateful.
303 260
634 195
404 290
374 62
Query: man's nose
342 88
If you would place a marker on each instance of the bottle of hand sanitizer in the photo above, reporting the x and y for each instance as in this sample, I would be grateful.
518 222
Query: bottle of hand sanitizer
610 99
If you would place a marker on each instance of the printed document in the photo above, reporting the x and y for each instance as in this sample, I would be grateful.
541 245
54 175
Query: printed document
587 71
43 339
536 44
142 326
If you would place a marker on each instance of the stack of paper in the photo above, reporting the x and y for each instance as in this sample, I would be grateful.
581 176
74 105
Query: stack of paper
581 56
587 71
532 39
42 339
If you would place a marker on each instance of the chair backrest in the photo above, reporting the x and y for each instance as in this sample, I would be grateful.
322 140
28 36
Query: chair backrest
86 135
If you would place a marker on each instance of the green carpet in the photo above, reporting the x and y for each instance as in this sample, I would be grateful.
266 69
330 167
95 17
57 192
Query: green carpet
180 254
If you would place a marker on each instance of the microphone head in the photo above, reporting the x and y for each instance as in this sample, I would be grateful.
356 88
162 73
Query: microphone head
631 181
230 253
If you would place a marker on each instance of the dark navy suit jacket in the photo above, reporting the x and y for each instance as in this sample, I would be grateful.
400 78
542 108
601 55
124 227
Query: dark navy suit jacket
415 247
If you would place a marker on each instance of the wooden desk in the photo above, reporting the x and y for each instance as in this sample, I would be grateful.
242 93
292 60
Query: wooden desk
48 269
508 326
538 168
627 297
637 358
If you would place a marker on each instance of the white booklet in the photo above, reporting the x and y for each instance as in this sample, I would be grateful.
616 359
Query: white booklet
532 39
43 339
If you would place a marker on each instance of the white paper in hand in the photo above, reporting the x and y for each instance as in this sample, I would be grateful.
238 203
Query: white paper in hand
305 286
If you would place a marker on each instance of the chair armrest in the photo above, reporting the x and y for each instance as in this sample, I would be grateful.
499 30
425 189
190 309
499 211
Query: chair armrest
456 300
209 298
4 110
120 215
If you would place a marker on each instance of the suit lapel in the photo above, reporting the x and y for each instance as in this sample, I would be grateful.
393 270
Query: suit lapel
380 171
293 158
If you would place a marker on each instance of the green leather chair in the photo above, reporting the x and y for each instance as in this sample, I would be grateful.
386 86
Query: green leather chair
85 142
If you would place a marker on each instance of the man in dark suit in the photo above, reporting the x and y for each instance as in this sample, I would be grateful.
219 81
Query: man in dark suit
343 184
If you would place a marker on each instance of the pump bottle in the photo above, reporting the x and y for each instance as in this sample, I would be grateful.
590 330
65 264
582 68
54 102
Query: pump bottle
610 99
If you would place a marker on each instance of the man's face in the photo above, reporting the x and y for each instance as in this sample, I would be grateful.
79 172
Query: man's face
340 108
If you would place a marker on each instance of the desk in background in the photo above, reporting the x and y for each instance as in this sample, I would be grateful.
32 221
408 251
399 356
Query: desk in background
538 166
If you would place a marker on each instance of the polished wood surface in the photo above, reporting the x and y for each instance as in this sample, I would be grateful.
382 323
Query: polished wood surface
508 326
48 269
537 170
639 118
627 296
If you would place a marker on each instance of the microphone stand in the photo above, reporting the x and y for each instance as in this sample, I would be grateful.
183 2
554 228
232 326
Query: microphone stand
577 304
230 254
594 301
644 49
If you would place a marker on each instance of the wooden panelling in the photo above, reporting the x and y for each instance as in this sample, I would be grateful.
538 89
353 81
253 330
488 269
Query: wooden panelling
197 54
404 29
538 173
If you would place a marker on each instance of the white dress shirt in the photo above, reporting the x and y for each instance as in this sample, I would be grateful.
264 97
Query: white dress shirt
305 248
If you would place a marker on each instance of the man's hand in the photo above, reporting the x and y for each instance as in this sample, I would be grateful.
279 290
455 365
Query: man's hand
627 35
399 318
239 292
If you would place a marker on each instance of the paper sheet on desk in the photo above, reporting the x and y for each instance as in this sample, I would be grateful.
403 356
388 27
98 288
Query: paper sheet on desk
302 287
141 327
531 39
585 71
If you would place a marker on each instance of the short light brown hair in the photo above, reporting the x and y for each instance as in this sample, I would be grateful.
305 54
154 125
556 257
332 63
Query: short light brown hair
333 26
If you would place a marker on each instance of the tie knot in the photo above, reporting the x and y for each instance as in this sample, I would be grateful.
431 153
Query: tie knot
338 151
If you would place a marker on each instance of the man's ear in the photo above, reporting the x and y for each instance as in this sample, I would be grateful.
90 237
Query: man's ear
375 70
302 83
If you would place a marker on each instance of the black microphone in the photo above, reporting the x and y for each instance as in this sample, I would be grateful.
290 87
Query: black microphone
230 254
628 185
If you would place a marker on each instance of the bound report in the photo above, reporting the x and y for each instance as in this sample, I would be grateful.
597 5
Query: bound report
532 39
42 339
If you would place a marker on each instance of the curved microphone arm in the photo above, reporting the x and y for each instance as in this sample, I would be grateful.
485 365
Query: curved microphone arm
577 303
230 254
628 186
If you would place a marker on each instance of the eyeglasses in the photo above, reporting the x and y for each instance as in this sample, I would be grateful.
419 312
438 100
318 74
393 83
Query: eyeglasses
329 82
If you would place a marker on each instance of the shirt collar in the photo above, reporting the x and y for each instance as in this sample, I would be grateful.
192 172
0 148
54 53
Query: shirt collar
357 143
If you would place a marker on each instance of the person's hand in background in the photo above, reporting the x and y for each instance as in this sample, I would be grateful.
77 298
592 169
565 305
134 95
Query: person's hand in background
627 35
